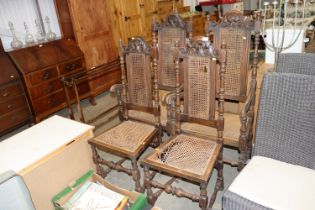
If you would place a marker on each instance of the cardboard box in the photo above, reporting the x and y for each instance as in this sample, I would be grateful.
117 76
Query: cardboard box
61 198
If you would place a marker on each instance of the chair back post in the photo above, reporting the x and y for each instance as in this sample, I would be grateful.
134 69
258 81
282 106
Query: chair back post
155 78
123 79
177 104
190 30
220 127
257 26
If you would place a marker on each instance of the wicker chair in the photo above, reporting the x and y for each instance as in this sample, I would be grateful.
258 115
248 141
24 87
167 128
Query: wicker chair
299 63
186 155
235 30
131 137
284 136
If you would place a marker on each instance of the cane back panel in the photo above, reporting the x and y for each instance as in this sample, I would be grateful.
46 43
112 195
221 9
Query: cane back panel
199 84
139 79
235 32
172 31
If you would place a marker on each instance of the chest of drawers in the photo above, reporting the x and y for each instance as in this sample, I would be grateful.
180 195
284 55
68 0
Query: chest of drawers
42 68
14 109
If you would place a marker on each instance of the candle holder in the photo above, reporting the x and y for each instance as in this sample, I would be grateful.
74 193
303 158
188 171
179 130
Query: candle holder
29 39
50 35
40 37
281 23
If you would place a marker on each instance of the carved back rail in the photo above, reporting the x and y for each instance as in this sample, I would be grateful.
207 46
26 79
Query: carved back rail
173 30
235 30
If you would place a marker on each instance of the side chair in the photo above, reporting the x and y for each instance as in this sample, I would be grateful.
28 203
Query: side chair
186 155
236 30
132 136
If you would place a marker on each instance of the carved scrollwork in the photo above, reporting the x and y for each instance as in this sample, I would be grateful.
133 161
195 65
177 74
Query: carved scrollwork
233 18
174 20
236 18
199 48
136 45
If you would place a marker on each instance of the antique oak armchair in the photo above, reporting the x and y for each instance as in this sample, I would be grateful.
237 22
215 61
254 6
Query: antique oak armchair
185 155
281 173
167 37
235 30
131 137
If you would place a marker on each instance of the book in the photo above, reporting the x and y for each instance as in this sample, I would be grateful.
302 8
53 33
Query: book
92 196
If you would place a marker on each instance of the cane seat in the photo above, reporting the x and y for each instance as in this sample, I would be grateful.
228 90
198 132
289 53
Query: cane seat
187 154
129 137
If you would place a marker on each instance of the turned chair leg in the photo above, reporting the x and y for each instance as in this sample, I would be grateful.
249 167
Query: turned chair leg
136 175
243 155
220 182
203 199
147 185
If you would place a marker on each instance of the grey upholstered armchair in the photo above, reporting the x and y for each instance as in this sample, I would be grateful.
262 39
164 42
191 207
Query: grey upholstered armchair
281 173
14 194
299 63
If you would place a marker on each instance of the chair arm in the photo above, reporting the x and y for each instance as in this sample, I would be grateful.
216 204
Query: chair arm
117 89
171 96
249 101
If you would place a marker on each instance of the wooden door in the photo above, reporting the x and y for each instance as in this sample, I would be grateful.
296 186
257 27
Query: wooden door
148 11
131 18
92 28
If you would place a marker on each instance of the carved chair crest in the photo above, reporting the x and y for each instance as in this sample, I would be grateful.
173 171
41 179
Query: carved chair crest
199 48
136 45
172 20
233 18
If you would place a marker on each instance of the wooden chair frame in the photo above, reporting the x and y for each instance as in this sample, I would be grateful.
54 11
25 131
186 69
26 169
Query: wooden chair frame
234 20
200 49
127 102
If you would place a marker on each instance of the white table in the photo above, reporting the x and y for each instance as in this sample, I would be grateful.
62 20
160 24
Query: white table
48 156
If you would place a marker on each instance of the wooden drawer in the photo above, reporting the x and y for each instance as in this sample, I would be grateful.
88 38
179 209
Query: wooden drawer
70 66
10 91
13 119
8 72
43 104
13 104
45 88
42 75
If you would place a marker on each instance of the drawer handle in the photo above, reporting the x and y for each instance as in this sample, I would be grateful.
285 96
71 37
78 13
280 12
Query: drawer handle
12 76
5 94
49 89
10 106
46 75
52 101
127 18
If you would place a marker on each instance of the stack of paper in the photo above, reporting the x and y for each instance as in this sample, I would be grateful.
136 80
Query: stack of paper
92 196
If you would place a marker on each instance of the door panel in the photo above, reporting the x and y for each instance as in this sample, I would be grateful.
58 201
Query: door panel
131 18
92 25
